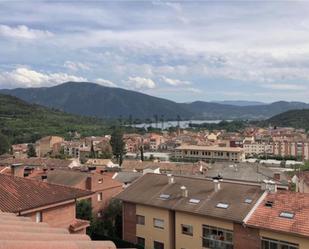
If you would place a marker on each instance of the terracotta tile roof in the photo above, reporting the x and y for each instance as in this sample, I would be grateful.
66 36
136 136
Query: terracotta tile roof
283 201
20 194
36 161
233 194
28 234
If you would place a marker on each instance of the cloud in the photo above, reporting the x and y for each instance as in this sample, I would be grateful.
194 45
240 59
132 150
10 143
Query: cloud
140 83
286 87
23 32
105 82
175 82
24 77
75 66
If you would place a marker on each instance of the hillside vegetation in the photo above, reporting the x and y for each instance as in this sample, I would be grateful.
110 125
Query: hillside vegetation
23 122
89 99
293 118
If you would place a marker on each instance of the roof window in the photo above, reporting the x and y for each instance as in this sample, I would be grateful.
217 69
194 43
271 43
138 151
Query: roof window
194 201
287 215
222 205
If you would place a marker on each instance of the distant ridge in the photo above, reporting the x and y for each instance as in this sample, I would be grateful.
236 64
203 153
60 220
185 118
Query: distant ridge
90 99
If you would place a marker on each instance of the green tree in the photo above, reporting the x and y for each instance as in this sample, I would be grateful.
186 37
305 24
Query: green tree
118 145
31 151
92 152
84 210
142 152
4 144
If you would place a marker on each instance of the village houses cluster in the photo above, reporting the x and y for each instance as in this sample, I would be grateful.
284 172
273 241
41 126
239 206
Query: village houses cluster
183 189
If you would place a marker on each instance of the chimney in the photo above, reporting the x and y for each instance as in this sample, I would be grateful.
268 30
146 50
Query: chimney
17 170
171 179
44 178
184 191
277 176
217 185
269 185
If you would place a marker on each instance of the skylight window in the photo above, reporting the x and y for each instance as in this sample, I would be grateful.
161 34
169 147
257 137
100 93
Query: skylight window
194 201
248 200
164 196
222 205
287 215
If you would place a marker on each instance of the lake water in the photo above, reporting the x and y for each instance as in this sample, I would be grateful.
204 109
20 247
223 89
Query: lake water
168 124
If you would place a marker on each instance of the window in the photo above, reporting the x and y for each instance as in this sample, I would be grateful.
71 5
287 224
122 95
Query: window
38 217
164 196
187 229
141 241
194 201
100 180
277 244
288 215
158 223
100 196
140 219
158 245
214 237
248 201
222 205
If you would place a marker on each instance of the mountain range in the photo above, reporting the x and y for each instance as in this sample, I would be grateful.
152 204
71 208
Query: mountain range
95 100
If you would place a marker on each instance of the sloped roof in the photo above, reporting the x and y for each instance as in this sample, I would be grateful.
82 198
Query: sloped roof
20 194
21 233
283 201
37 161
233 194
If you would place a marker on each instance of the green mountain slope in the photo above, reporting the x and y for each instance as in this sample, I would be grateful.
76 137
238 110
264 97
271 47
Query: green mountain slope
293 118
23 122
98 101
94 100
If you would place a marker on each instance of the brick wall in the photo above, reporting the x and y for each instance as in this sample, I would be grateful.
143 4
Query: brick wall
129 221
61 216
245 237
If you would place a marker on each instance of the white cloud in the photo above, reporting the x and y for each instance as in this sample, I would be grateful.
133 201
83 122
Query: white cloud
105 82
141 83
24 77
23 32
75 66
175 82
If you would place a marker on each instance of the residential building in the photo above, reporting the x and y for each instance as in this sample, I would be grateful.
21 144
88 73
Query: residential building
42 202
44 146
103 186
257 148
180 212
209 153
296 149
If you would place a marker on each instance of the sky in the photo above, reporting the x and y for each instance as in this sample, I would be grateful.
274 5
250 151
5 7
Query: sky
181 50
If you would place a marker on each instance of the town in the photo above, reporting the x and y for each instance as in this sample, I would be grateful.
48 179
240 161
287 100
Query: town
163 189
154 124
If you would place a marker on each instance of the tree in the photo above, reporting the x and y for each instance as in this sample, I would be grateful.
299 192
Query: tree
84 210
31 151
142 152
92 152
4 144
118 145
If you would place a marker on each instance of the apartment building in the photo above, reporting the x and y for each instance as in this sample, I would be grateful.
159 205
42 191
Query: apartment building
185 212
297 149
209 153
257 148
